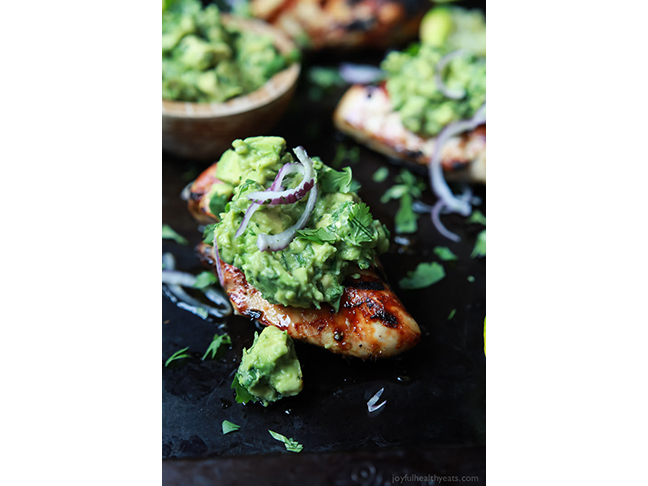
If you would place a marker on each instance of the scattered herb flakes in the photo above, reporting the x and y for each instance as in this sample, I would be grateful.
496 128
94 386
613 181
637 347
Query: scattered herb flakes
291 444
381 174
169 233
405 220
322 80
319 235
336 181
408 188
205 279
214 346
242 395
425 275
444 253
342 154
471 279
178 355
477 217
202 312
452 313
325 77
217 204
229 427
480 245
208 234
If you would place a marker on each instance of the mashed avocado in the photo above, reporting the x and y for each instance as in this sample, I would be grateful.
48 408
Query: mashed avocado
340 233
423 108
206 61
455 28
269 370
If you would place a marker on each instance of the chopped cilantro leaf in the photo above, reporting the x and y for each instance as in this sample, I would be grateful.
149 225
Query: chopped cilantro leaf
336 181
394 192
291 444
325 77
352 155
381 174
242 395
320 235
452 313
480 245
477 217
208 234
405 220
360 222
215 345
217 204
202 312
178 355
170 234
408 188
205 279
229 427
444 253
425 275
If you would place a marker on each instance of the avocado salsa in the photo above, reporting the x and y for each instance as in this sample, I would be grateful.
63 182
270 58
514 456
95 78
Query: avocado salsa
269 370
339 236
415 95
204 60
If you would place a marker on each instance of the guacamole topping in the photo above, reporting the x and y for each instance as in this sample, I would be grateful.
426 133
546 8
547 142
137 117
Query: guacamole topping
339 236
455 28
269 370
416 95
204 60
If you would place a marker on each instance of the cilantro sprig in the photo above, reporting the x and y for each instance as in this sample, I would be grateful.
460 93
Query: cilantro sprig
215 345
205 279
181 354
480 245
242 395
423 276
444 253
229 427
407 189
291 444
168 233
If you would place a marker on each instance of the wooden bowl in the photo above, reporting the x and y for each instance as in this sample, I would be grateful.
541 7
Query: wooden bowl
205 130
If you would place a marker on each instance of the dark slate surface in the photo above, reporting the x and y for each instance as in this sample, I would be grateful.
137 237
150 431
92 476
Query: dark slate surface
436 393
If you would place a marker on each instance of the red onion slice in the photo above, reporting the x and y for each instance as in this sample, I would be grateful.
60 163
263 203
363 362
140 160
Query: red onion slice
438 70
219 270
289 196
276 186
174 281
371 404
282 240
360 73
447 200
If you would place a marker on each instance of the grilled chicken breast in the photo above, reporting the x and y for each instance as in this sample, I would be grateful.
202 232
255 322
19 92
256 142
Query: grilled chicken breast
366 114
320 24
198 200
371 321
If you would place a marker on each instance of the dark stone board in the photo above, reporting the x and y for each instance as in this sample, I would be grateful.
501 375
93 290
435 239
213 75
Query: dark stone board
434 421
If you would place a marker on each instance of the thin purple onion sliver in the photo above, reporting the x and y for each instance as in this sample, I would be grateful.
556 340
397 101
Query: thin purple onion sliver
447 200
281 241
448 93
219 270
289 168
289 196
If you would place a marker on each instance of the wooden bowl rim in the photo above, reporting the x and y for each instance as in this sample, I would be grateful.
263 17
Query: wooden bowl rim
273 89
